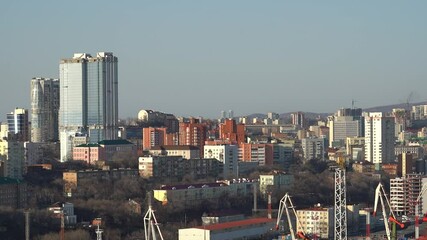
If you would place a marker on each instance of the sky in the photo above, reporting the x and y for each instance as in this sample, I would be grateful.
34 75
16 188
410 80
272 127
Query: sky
196 58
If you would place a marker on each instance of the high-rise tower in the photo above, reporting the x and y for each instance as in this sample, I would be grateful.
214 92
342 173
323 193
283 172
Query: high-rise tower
17 122
88 99
44 109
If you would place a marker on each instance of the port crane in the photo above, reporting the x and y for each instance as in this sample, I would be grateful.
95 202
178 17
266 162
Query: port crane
381 195
285 204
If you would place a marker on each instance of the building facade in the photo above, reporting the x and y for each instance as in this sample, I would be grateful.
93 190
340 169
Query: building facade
88 99
341 127
318 221
44 109
261 153
18 125
193 133
313 148
12 159
186 152
227 155
403 194
379 138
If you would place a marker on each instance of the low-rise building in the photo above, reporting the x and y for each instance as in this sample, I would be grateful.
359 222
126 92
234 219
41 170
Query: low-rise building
274 181
244 229
193 194
72 178
363 167
104 150
178 167
186 151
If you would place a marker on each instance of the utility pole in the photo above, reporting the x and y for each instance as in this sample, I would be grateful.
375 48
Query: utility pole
62 231
27 224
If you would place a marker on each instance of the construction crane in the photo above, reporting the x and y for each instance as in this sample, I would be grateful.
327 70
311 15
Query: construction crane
417 202
284 206
381 195
151 224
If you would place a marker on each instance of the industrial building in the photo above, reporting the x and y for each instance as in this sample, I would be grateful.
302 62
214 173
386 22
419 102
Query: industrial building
245 229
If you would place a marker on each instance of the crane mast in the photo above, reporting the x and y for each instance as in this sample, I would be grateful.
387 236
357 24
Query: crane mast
285 204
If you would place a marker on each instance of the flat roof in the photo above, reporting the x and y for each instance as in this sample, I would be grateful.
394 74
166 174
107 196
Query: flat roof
175 147
189 186
234 224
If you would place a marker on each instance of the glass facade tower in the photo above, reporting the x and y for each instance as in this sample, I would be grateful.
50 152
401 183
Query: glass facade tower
88 99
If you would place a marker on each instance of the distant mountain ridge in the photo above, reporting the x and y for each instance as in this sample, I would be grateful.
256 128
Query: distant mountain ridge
312 115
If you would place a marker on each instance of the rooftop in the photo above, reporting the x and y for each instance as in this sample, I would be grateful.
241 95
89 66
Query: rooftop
175 147
234 224
189 186
114 142
6 180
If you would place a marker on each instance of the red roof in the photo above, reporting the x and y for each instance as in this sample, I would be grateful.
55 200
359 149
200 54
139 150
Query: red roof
234 224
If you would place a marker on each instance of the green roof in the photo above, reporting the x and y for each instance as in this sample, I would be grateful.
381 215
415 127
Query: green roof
6 180
114 142
88 145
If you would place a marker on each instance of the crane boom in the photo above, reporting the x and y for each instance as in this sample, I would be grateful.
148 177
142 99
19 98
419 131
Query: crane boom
283 206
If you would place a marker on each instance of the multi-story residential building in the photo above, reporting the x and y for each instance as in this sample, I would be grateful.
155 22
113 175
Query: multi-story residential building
105 150
178 167
379 138
12 159
88 99
313 148
44 109
153 136
194 194
227 155
355 148
262 153
403 194
298 119
274 181
317 221
13 193
416 151
232 131
193 133
341 127
37 152
18 125
186 152
283 154
4 130
169 121
72 179
419 112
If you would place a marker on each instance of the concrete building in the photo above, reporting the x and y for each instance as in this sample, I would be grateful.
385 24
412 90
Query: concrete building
403 194
355 148
70 219
405 164
44 109
186 152
363 167
232 131
318 221
298 119
379 138
283 154
227 155
341 127
105 151
169 121
178 167
262 153
13 193
153 136
12 159
244 229
88 99
194 194
313 148
419 112
18 125
416 151
193 133
274 181
72 179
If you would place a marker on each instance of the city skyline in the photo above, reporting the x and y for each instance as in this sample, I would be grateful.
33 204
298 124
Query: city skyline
245 56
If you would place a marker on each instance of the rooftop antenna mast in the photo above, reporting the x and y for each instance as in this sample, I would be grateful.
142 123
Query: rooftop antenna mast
150 223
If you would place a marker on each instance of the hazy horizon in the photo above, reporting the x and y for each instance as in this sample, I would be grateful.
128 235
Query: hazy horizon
193 58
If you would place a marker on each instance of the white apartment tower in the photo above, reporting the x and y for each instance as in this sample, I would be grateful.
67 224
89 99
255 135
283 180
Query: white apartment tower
88 99
227 154
379 138
44 109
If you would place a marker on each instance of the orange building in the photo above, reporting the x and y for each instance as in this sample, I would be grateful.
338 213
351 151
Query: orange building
153 136
256 152
193 133
231 131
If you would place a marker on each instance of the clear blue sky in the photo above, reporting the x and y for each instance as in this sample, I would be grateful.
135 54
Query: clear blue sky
200 57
